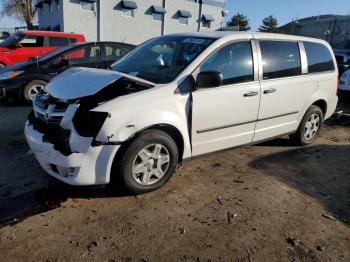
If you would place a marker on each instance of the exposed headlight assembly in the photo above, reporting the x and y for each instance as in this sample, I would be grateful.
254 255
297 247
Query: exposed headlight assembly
88 123
10 74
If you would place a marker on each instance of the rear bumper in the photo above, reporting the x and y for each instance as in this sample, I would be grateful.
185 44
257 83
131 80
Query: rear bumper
91 167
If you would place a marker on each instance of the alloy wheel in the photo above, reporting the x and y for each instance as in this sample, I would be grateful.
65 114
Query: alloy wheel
312 125
150 164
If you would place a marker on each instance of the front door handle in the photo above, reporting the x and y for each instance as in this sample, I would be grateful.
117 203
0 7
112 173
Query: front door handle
269 91
252 93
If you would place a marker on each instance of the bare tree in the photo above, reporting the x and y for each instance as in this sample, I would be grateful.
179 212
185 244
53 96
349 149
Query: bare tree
23 10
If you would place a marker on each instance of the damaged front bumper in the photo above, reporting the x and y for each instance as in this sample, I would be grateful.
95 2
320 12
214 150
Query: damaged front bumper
91 167
62 151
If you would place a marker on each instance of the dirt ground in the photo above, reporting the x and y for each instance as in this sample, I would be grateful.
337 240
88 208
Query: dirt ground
269 202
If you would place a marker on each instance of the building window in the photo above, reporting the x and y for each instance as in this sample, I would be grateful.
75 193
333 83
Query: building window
183 16
157 16
128 12
183 20
206 24
87 6
158 12
206 20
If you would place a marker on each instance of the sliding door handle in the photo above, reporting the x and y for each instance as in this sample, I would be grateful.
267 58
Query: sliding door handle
269 91
252 93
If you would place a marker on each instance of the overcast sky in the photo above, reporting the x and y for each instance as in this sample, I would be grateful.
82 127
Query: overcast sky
256 10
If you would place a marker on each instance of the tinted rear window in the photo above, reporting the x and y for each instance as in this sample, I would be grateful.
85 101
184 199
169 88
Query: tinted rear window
280 59
58 41
318 57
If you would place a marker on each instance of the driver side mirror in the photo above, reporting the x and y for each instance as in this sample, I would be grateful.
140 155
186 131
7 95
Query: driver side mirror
209 79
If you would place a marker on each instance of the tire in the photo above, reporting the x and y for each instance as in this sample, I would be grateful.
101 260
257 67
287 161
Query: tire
32 88
141 174
309 127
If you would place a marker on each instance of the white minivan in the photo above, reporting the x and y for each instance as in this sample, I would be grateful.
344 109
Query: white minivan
180 96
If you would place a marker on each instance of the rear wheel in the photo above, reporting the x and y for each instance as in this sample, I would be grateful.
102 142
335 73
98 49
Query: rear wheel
309 128
32 89
148 162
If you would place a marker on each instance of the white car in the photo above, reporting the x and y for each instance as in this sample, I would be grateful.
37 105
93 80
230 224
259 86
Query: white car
344 82
177 97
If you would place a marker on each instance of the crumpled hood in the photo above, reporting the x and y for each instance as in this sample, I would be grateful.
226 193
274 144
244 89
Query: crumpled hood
80 82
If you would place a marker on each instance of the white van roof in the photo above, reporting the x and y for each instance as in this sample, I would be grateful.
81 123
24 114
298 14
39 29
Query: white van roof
257 35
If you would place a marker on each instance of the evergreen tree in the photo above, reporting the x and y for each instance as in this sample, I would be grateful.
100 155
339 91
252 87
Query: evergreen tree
269 24
240 21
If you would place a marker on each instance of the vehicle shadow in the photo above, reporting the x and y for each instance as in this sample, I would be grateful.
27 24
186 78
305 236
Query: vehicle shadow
18 208
321 171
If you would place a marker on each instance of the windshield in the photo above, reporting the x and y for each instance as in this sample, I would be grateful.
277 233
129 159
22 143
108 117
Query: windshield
162 59
54 53
12 40
343 45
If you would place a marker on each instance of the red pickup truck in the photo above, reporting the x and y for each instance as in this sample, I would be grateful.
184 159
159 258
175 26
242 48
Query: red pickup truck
23 45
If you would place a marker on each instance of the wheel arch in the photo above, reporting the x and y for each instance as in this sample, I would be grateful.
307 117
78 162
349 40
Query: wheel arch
321 103
171 130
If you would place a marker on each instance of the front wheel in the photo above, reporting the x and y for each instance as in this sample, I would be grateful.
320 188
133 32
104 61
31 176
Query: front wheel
32 89
148 162
309 128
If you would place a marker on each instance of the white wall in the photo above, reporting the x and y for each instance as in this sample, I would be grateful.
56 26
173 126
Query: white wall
133 30
79 21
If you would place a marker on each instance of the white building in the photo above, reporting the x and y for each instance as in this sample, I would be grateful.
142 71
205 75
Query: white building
130 21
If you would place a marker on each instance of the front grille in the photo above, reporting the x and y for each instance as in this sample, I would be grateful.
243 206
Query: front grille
49 110
53 134
53 120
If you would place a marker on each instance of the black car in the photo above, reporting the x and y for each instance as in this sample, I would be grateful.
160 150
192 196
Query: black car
342 54
24 80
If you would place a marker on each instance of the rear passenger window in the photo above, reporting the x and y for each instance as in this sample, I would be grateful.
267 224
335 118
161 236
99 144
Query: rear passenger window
115 51
280 59
318 57
58 41
234 62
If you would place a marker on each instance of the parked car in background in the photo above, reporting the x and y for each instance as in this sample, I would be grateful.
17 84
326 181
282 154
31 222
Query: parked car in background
4 35
344 83
23 45
177 97
342 54
24 80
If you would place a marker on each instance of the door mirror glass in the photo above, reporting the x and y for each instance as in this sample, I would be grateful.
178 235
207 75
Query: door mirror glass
209 79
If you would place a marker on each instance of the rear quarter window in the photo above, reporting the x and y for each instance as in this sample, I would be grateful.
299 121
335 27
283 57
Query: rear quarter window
319 58
58 41
280 59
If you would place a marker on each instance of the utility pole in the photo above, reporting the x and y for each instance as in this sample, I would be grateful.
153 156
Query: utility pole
199 15
163 22
98 20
